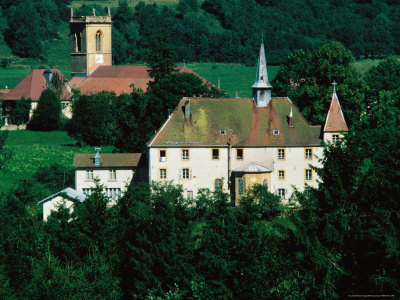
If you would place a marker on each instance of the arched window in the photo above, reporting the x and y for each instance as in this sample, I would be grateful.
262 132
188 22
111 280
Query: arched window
98 41
265 182
240 186
218 185
78 39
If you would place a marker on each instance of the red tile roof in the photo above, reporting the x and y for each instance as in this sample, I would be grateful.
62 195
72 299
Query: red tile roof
244 124
117 79
33 85
335 121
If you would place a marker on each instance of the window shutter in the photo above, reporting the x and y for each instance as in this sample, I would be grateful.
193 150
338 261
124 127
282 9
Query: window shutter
180 173
286 194
191 174
277 192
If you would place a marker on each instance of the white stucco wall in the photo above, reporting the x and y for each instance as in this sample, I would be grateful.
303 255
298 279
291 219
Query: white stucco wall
54 204
123 178
205 170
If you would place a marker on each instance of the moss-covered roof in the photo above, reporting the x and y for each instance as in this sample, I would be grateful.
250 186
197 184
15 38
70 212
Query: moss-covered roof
244 124
121 160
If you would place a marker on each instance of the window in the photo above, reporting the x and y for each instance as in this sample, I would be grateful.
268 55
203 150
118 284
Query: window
89 174
163 173
78 43
112 175
113 193
222 132
163 155
240 186
281 154
87 192
215 153
281 174
218 185
275 132
335 138
308 174
308 153
281 193
98 41
265 182
239 154
190 195
185 174
185 154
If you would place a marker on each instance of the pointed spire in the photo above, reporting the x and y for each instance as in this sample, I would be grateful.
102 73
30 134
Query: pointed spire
262 88
335 121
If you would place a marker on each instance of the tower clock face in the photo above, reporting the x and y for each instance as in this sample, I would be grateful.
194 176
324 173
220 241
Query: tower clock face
98 59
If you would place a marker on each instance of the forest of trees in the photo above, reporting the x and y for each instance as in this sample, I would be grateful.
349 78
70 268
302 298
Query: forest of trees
342 240
217 30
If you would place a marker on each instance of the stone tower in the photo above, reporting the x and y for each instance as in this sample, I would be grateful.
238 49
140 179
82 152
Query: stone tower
262 88
90 38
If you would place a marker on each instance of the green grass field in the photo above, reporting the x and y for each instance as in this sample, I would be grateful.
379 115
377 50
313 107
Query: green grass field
32 150
232 78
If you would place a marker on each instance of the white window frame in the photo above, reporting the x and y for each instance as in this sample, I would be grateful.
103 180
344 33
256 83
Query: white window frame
185 154
89 175
281 154
163 174
112 175
308 174
308 153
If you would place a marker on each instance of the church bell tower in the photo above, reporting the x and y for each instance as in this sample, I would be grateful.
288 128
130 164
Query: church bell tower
262 88
90 38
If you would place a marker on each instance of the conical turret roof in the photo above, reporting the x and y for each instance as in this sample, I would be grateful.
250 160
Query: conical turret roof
262 75
335 121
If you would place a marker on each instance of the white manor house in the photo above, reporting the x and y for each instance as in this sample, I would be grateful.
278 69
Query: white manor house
230 144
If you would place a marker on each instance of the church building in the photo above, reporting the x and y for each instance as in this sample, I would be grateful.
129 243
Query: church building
230 144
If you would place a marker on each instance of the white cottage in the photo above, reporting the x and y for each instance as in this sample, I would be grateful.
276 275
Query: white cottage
115 171
230 144
66 197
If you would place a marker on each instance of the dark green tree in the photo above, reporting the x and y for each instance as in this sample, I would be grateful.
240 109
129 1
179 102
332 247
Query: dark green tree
306 78
47 115
162 58
93 121
23 42
21 111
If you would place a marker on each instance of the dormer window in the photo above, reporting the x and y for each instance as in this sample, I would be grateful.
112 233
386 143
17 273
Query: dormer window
222 132
275 132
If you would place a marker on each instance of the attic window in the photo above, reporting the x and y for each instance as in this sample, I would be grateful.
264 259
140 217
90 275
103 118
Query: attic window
275 132
222 132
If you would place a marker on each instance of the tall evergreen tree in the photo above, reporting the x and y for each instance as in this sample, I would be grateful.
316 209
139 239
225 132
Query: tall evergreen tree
47 115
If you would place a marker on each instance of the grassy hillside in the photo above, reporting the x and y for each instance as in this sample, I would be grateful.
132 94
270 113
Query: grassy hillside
33 150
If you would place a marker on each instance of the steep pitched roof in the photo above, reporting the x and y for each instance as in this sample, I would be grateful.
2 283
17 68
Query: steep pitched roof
262 74
123 160
69 193
244 123
335 121
33 85
117 79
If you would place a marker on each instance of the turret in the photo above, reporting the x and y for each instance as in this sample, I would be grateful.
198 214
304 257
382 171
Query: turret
335 124
262 88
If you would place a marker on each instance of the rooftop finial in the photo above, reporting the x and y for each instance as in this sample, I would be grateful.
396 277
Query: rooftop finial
334 86
291 113
97 157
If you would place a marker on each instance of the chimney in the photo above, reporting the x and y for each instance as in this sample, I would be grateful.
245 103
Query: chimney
109 12
72 13
48 75
97 157
187 109
291 123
